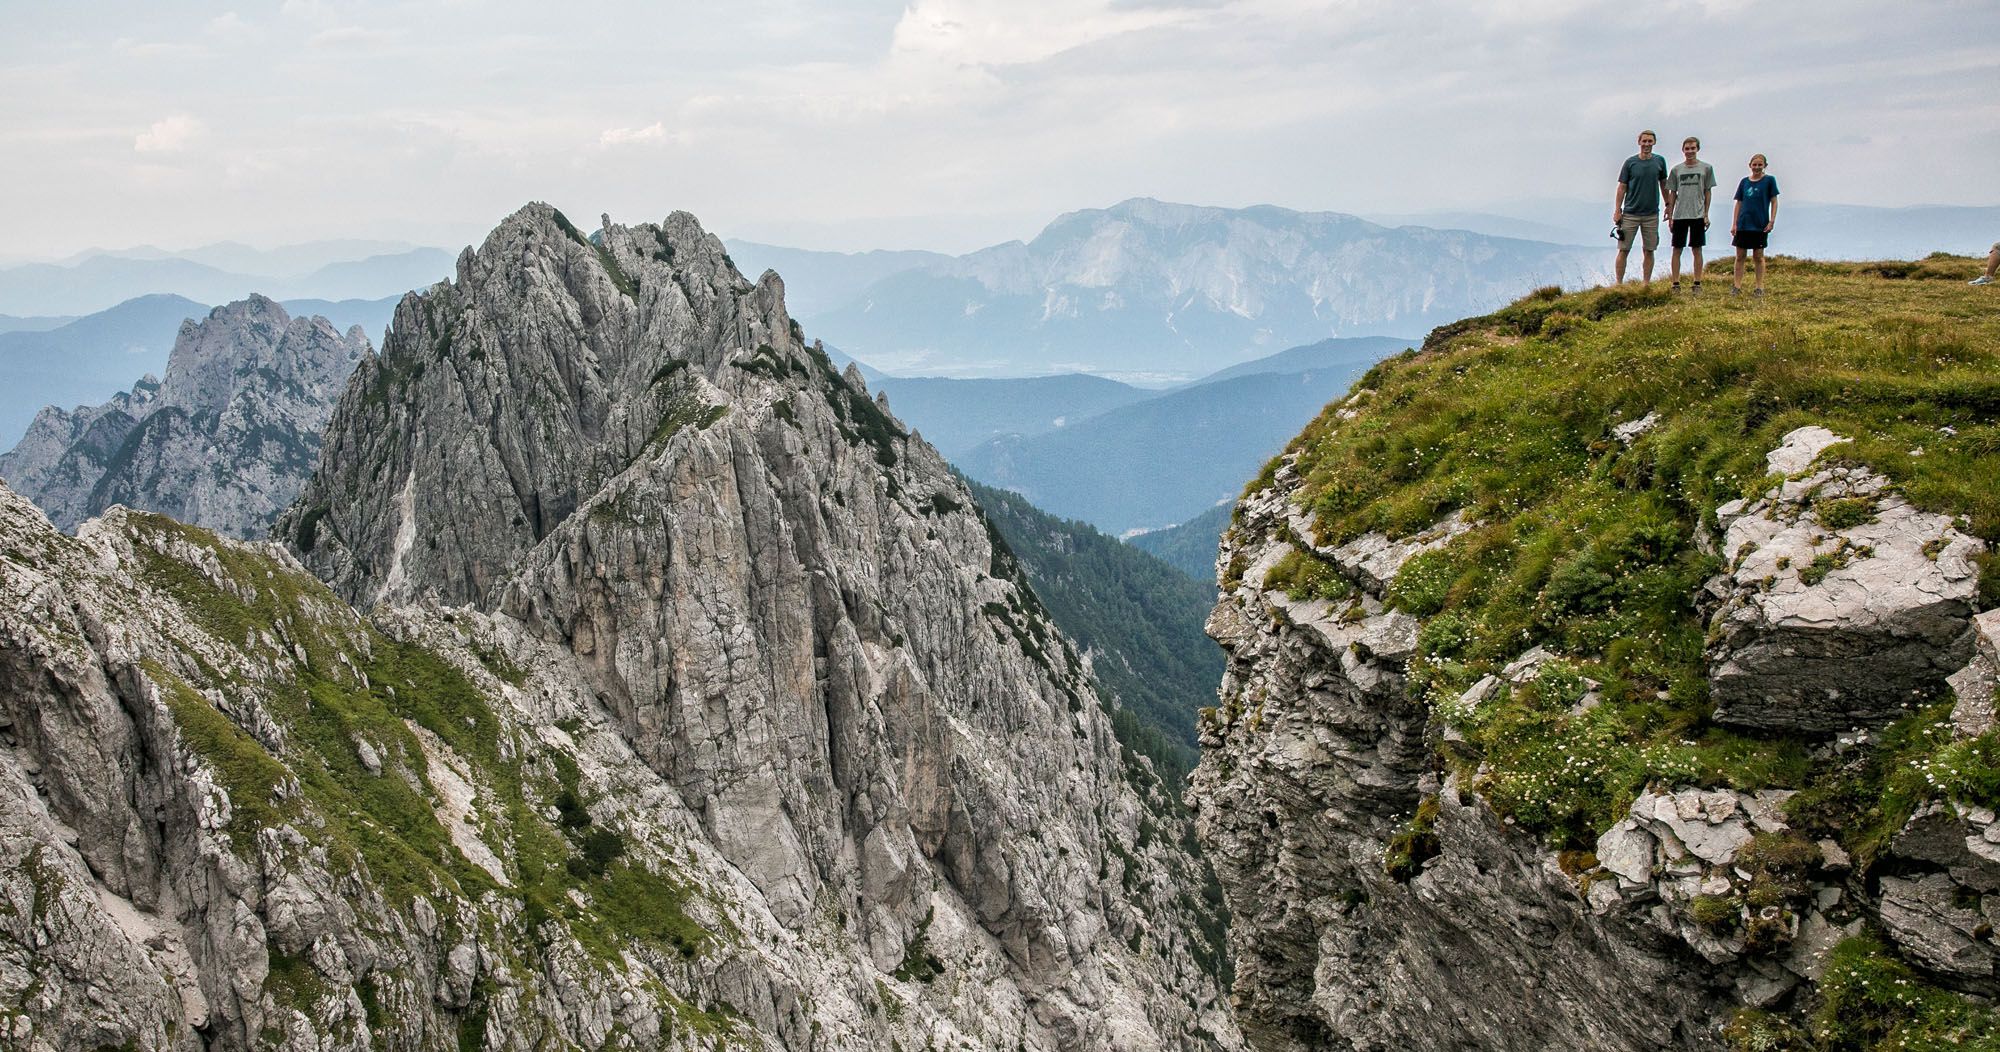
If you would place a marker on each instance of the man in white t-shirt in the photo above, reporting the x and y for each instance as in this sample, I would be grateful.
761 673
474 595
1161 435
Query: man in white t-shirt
1690 187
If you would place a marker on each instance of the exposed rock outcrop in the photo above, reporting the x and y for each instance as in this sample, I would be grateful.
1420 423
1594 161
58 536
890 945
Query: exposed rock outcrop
1380 902
225 440
784 599
1843 604
1314 762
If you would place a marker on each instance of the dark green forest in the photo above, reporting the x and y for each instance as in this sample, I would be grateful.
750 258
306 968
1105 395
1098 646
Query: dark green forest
1138 618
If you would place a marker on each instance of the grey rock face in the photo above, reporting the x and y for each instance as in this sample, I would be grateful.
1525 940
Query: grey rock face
1973 687
201 858
787 606
1312 764
1942 906
58 462
1827 625
224 441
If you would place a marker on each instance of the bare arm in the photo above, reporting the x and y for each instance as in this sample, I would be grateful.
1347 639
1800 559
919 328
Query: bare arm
1733 213
1618 202
1773 218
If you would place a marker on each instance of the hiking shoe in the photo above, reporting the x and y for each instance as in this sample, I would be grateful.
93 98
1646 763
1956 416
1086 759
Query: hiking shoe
1697 288
1759 293
1676 288
1735 291
1980 280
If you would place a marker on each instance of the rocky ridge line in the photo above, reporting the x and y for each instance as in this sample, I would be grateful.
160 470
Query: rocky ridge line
787 602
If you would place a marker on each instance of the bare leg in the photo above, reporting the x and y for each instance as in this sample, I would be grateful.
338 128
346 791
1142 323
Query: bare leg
1993 261
1697 266
1736 279
1759 253
1622 253
1647 264
1675 266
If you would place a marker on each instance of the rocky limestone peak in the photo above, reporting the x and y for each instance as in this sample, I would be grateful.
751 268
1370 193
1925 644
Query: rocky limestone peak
791 609
224 440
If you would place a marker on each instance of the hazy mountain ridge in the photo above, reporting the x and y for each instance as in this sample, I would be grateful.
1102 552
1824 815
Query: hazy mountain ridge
1163 460
818 281
1189 546
957 415
99 282
1147 287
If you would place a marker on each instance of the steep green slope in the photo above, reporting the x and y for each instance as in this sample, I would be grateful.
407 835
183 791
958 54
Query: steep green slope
1190 546
1138 618
1597 545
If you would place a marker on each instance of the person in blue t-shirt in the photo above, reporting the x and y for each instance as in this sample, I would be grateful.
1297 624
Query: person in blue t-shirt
1750 227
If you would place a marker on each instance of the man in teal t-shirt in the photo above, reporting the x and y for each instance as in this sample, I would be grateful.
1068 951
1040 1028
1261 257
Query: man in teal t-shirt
1635 212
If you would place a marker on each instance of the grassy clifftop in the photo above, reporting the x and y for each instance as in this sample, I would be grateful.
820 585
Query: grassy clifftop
1595 539
1589 546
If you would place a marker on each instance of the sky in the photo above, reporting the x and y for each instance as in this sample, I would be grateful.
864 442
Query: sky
946 124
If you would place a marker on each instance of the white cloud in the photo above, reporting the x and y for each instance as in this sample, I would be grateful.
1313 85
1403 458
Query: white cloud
228 24
351 37
653 132
989 33
170 135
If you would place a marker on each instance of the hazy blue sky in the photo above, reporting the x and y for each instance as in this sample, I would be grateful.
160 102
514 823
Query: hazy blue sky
946 123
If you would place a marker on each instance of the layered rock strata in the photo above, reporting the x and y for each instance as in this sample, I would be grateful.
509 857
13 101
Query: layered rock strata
225 439
1842 604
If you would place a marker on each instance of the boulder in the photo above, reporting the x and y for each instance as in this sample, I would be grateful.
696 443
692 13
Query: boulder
1842 604
1931 922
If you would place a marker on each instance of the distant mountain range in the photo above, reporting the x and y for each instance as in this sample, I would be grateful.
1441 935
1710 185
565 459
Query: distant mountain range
99 282
1152 290
1124 458
958 415
1805 228
822 281
89 359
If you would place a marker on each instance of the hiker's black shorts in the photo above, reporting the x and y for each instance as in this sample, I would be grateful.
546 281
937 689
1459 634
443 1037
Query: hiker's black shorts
1690 232
1752 238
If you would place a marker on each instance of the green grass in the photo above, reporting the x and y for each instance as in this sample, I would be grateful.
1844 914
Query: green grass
1589 547
1872 1000
1302 576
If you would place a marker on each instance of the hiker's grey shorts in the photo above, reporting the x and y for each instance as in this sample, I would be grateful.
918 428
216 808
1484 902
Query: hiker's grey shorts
1647 227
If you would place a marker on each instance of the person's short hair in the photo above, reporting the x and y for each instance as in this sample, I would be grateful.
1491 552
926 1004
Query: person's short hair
1761 157
1692 139
1649 131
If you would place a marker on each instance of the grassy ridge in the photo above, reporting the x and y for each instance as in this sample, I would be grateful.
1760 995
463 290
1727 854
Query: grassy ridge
1589 546
1592 547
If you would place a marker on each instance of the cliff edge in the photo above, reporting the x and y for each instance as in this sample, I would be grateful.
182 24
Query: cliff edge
1616 672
